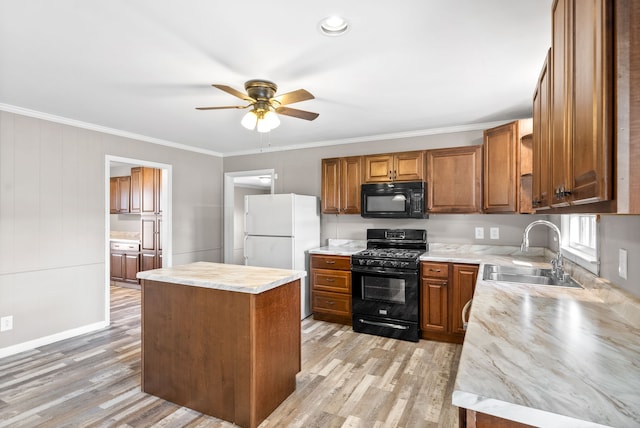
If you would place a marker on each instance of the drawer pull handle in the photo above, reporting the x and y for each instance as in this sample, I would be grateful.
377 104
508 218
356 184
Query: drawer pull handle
330 262
331 280
435 270
330 302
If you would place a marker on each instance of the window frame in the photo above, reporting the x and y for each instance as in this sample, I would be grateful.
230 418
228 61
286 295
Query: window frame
584 248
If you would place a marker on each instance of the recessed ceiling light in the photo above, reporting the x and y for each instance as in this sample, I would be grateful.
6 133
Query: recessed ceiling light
334 26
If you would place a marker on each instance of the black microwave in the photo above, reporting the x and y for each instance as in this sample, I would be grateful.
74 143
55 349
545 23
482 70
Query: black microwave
394 200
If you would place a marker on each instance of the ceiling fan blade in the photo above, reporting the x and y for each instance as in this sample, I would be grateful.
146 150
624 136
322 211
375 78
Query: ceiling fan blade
234 92
220 108
300 114
294 97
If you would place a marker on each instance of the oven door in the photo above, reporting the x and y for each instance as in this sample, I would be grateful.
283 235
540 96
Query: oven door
385 292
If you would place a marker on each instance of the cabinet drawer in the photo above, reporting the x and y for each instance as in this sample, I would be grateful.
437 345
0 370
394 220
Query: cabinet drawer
331 303
331 280
331 262
435 270
125 246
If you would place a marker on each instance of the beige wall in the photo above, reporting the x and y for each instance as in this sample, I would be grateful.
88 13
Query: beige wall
52 222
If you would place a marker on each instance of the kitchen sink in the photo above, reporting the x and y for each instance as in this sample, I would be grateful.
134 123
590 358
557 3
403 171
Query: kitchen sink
526 275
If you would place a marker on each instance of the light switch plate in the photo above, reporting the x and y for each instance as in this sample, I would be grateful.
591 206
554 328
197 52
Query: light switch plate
479 232
494 233
622 263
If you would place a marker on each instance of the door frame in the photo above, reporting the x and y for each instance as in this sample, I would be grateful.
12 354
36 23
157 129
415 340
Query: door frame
228 205
165 202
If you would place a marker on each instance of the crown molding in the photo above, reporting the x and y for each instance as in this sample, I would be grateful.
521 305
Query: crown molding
93 127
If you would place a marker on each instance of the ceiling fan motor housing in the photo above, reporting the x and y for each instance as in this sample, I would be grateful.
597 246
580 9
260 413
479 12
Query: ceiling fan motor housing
261 89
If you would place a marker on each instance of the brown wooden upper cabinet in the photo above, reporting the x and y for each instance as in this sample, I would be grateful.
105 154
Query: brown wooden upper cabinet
146 186
341 180
120 188
581 104
540 198
404 166
454 180
506 157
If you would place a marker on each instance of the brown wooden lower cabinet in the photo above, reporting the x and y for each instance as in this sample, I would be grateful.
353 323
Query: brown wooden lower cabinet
472 419
125 262
445 289
331 288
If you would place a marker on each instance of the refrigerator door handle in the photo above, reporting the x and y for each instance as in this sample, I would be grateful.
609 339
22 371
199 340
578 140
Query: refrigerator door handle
244 249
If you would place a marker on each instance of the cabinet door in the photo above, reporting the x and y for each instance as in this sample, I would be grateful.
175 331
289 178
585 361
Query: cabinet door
350 184
378 168
433 308
454 178
331 186
500 168
463 284
117 266
136 190
408 166
124 186
592 103
149 202
560 106
114 196
148 234
541 139
131 267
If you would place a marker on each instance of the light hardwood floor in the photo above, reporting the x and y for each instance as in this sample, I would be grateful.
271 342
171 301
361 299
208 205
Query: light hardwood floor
347 380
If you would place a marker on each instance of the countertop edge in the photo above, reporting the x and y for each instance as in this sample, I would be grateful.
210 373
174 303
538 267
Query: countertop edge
517 413
159 276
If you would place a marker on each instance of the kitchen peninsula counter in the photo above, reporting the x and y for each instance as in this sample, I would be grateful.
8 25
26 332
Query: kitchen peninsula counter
221 339
547 356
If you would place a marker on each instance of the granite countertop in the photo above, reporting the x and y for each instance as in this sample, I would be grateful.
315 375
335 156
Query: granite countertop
239 278
547 356
340 247
124 236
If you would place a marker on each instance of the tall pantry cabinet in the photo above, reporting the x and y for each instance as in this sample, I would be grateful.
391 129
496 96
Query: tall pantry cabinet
147 184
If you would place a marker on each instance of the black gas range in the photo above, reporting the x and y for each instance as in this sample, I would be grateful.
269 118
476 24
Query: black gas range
385 283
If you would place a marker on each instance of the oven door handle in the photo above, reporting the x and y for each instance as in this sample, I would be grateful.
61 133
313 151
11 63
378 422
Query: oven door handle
385 272
384 324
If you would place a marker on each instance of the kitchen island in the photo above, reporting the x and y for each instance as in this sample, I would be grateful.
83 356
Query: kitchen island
221 339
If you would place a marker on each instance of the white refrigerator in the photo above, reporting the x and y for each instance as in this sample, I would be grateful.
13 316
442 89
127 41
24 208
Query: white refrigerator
279 231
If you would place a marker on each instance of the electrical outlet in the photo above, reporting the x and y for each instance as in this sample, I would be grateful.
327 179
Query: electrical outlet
494 233
6 323
479 232
622 263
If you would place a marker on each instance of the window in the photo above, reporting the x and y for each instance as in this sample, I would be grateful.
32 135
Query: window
580 240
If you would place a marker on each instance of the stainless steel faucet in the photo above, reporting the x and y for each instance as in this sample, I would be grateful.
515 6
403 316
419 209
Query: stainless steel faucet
557 265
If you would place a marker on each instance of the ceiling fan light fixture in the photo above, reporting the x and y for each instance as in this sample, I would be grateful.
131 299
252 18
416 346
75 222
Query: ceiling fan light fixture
249 120
334 26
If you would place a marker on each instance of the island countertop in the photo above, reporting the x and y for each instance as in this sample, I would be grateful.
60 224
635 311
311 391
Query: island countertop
239 278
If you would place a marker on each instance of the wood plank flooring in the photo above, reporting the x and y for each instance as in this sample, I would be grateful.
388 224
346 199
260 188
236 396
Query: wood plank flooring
347 380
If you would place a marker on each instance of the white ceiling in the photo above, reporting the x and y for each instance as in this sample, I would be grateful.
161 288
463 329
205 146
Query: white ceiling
141 66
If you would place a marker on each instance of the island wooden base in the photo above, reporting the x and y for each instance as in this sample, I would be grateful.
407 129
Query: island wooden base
227 354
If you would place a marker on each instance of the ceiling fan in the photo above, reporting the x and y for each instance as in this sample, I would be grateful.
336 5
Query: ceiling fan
261 97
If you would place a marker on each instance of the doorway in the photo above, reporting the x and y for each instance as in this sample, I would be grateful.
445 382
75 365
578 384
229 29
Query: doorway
236 186
132 223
